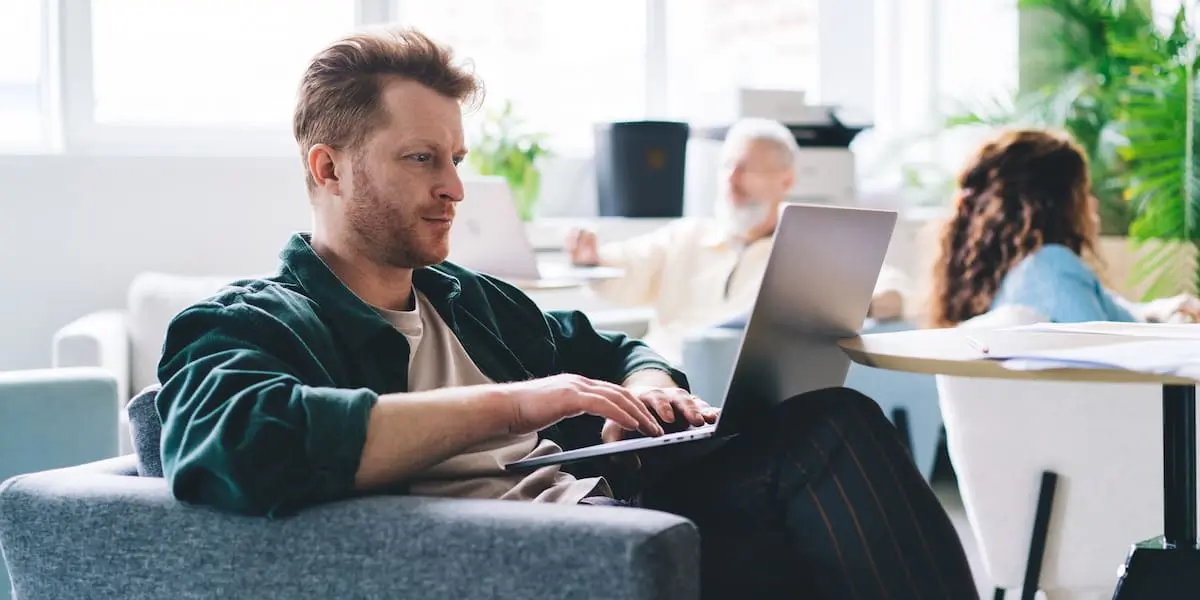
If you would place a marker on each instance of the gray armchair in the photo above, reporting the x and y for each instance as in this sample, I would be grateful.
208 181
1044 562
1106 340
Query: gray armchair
101 530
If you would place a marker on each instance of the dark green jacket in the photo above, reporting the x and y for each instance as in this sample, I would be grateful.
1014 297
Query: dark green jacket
267 386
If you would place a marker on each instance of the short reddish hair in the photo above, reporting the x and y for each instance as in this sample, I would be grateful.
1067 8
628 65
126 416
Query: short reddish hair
339 98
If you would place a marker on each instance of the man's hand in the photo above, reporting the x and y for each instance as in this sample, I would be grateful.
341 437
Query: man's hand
582 247
672 404
540 403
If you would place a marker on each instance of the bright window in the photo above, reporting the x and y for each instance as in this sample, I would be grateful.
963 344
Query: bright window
203 63
977 49
935 58
564 65
715 47
22 118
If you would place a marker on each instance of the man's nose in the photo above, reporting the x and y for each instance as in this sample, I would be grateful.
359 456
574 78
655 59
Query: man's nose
735 175
452 186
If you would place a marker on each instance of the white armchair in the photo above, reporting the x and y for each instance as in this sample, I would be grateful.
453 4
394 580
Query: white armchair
1102 440
127 343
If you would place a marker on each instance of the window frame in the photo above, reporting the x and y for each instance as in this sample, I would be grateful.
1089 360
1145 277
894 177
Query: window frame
68 93
81 134
47 88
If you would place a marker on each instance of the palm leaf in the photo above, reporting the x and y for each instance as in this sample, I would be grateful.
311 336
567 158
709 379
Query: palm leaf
1158 115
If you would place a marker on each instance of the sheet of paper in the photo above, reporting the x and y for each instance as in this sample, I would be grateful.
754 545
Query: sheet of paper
1179 357
1155 330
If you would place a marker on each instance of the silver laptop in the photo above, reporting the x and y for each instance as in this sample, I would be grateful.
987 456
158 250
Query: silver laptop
488 236
816 290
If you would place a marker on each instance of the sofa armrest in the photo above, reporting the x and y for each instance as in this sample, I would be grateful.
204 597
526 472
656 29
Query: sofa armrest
52 418
99 339
126 537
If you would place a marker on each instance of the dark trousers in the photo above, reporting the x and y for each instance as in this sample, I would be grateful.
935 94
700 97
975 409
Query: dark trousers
818 499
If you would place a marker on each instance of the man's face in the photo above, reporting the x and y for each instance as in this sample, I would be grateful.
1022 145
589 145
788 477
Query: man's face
400 199
755 172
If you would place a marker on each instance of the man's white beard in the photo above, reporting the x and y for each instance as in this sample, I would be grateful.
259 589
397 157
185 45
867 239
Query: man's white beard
740 219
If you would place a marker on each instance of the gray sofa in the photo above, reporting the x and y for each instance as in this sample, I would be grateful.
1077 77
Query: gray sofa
111 529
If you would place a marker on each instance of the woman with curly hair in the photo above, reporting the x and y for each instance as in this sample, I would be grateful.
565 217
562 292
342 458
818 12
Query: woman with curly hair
1024 218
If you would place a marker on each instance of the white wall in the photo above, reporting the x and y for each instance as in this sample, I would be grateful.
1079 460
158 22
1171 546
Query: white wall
75 230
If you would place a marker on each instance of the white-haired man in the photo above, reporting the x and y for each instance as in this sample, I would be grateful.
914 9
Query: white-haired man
698 273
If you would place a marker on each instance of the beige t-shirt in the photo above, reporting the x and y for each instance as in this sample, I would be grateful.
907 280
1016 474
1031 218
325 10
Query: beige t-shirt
437 359
694 277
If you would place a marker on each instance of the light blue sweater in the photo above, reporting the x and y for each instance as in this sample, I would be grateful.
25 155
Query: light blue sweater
1057 283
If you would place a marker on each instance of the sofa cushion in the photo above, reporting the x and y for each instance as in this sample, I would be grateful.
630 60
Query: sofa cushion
146 430
154 299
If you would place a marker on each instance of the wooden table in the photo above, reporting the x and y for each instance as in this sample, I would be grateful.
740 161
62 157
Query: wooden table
1161 568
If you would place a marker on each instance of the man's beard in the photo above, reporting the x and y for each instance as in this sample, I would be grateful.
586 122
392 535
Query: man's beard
740 219
383 235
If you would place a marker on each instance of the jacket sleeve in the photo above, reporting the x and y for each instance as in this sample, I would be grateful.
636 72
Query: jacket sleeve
243 428
604 355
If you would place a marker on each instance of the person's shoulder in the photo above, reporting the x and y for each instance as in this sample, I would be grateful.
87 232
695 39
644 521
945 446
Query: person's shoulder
1055 259
255 301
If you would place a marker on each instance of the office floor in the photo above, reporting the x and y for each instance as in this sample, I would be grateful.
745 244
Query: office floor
947 492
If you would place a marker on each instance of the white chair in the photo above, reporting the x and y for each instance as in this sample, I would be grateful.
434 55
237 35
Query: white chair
1102 443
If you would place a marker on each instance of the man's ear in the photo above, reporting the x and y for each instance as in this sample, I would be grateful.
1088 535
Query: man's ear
789 180
322 166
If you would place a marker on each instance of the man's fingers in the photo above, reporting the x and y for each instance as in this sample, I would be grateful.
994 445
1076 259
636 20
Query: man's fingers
691 407
625 398
611 432
662 407
649 425
598 404
692 413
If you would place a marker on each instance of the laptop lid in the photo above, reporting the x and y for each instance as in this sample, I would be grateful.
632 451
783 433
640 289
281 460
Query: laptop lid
488 235
816 290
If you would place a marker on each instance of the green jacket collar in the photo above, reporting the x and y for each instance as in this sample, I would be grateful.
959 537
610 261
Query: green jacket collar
353 317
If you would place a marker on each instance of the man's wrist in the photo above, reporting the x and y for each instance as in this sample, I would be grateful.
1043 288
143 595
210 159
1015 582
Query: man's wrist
650 377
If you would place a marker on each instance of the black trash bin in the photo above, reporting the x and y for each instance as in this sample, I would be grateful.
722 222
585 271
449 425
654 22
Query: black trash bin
639 168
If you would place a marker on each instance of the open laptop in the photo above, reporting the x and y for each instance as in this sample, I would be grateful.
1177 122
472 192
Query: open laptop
488 236
816 290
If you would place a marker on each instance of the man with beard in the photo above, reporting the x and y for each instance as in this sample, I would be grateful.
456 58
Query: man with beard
369 365
700 273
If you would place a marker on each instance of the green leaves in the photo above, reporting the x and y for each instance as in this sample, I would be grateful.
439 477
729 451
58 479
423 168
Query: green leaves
1092 48
1159 108
503 148
1125 90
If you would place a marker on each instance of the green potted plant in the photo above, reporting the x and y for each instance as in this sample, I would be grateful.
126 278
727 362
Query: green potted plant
1161 153
504 148
1072 81
1125 90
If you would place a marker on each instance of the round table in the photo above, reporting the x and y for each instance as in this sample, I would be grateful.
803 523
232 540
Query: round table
1161 568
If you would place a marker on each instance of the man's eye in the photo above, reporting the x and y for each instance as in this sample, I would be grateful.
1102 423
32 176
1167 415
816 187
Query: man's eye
422 157
458 160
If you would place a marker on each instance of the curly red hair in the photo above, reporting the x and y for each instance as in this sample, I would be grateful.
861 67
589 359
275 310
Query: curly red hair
1021 190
